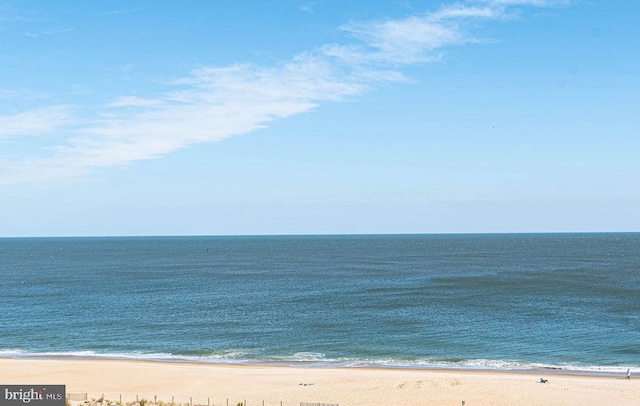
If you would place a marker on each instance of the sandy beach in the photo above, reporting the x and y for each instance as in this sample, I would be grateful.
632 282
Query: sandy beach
217 384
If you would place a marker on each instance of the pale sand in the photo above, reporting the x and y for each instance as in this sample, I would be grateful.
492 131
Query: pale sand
345 386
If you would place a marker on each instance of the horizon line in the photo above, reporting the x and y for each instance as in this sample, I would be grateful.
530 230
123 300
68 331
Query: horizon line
317 234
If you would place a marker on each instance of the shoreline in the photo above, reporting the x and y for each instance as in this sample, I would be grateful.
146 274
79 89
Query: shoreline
321 364
202 384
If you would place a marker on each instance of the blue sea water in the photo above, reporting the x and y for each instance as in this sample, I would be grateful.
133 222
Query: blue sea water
501 301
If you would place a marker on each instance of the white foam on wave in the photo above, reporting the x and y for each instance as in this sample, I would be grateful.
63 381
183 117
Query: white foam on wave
309 356
17 353
231 354
490 365
226 356
317 359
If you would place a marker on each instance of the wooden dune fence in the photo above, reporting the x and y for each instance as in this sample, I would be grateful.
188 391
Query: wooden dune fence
318 404
79 397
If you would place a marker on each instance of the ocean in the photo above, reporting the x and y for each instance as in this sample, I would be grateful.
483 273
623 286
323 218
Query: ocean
558 302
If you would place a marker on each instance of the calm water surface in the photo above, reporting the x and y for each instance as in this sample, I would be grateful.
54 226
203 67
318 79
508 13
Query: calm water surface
468 301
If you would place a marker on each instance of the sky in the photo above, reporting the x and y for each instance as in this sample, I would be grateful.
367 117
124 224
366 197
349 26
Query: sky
158 117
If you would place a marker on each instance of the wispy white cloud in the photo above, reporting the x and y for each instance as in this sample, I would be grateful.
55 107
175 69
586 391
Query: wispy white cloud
22 94
419 38
35 122
42 33
308 7
405 41
214 103
11 14
534 3
211 104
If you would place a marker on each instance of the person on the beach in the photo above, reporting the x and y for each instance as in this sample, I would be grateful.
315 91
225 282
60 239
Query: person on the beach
628 374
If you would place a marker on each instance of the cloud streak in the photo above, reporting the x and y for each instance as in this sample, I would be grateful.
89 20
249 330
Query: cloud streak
214 103
37 122
37 34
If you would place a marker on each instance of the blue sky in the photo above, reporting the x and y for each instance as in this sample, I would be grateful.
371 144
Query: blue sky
318 117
